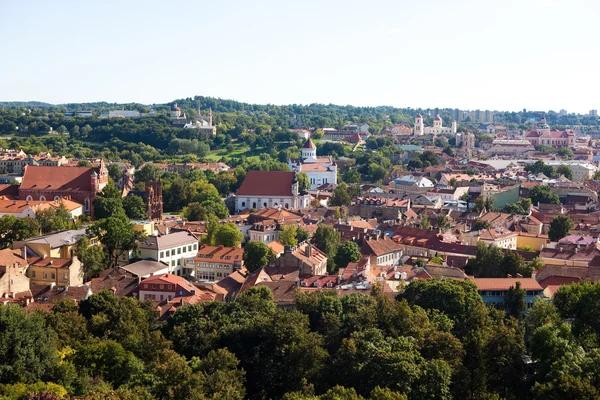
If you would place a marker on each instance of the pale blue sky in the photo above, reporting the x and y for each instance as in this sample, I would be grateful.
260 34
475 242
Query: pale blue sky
505 55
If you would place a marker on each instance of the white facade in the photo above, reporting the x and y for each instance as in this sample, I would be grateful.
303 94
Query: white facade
320 170
254 202
173 254
437 129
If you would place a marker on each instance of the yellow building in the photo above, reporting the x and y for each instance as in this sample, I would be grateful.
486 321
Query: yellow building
537 242
58 271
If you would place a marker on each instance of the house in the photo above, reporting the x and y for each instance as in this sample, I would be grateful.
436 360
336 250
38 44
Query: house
493 290
58 271
56 245
383 249
305 257
499 237
385 207
29 208
213 263
411 184
320 170
268 189
80 184
164 287
12 277
172 249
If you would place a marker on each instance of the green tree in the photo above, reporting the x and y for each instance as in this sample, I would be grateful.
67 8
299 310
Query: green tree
84 163
118 237
212 227
92 257
194 212
108 203
147 173
53 219
515 301
442 222
303 182
425 224
544 195
565 151
560 227
348 252
340 196
352 176
114 172
288 235
256 255
540 167
28 350
134 207
327 240
301 234
229 235
565 171
15 229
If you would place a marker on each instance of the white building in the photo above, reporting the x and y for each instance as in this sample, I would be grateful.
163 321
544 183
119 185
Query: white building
320 170
268 189
172 249
581 170
437 129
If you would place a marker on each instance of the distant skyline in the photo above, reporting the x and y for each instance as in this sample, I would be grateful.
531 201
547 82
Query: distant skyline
510 55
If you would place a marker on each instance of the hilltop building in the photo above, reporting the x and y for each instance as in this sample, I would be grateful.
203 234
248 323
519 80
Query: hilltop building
320 170
437 129
266 189
543 136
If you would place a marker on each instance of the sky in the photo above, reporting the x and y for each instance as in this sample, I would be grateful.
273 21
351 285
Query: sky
471 54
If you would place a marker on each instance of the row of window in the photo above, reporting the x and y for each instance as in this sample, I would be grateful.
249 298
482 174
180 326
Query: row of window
172 252
51 274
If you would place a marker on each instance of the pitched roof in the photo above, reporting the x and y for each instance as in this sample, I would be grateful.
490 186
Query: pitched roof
144 268
309 144
506 283
219 254
8 257
167 241
380 245
267 183
57 178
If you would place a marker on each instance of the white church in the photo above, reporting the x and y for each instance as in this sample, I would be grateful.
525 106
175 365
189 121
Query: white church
320 170
437 129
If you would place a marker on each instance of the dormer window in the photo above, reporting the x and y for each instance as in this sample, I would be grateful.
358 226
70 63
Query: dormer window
303 283
316 284
329 284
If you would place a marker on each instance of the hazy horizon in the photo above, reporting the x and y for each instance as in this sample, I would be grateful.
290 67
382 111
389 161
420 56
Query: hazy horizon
532 54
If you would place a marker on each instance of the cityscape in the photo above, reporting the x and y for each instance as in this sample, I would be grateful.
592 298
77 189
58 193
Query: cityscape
233 230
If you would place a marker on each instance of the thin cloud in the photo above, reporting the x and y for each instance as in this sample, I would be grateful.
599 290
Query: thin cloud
395 31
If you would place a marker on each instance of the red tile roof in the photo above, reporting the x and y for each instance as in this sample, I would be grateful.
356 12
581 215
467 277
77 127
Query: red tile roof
309 145
266 183
57 178
506 283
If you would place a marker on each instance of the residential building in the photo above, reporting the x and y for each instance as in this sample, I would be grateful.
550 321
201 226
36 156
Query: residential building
12 277
320 170
499 237
146 268
268 189
382 249
411 184
510 147
29 208
164 287
305 258
55 245
58 271
493 290
172 249
213 263
450 193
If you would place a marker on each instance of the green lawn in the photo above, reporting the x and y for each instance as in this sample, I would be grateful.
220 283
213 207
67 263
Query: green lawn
239 150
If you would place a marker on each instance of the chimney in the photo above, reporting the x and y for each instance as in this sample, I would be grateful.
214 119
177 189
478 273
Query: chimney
308 250
24 252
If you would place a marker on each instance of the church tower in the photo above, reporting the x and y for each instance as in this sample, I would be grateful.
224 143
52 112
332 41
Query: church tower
419 129
309 151
437 122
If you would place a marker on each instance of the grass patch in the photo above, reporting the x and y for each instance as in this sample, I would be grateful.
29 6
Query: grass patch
239 150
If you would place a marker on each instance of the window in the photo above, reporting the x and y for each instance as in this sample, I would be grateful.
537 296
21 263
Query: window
169 287
168 253
53 276
179 250
162 287
33 274
243 204
190 247
195 246
65 276
153 286
162 254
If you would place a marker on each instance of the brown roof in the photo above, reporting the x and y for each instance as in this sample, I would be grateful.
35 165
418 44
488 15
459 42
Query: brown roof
316 257
219 254
266 183
10 257
121 284
57 178
380 245
506 283
309 145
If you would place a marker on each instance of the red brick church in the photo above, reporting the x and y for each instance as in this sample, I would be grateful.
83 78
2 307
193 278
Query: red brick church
53 182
